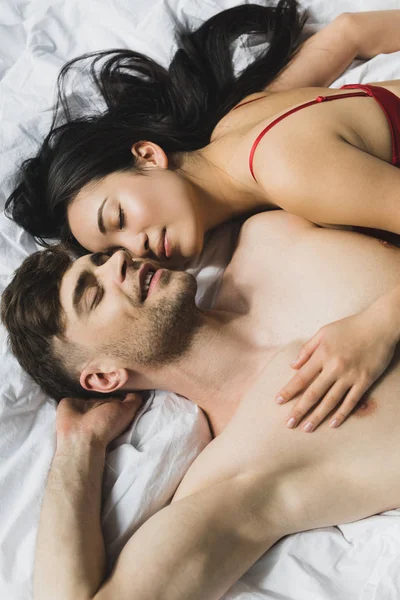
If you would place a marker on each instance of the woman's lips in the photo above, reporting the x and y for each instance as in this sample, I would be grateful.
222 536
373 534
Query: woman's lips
163 248
167 246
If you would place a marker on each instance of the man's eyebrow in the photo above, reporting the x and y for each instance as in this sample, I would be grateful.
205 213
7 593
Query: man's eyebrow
79 290
96 258
100 221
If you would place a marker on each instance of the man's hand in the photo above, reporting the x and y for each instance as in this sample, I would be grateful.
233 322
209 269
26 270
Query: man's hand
337 366
70 556
95 420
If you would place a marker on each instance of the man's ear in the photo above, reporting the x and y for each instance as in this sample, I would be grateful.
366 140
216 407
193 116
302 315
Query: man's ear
105 382
149 155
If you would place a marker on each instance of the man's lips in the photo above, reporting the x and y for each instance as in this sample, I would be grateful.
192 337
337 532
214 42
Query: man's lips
143 271
156 278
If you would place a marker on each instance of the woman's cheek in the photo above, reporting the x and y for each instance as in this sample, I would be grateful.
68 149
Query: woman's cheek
141 218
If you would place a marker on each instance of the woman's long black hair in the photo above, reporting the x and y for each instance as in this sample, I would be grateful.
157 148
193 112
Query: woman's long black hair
177 108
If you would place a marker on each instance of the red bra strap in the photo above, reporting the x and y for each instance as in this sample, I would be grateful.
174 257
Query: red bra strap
247 102
290 112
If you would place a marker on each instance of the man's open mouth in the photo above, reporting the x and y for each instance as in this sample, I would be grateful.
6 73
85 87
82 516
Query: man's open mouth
146 284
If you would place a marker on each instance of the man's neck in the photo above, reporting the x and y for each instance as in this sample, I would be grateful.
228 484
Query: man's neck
218 368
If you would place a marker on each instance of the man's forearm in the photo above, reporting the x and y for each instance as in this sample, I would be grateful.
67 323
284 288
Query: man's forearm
195 548
70 558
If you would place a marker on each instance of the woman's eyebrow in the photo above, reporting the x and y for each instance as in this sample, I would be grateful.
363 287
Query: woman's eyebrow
100 221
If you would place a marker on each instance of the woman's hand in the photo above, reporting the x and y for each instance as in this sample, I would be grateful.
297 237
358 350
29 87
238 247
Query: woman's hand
336 367
95 420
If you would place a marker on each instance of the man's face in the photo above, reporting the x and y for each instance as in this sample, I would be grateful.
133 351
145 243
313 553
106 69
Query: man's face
129 309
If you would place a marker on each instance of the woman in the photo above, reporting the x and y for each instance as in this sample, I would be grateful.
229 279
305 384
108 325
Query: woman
177 153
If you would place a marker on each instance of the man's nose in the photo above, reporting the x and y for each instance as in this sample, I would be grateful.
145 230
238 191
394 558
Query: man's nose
117 265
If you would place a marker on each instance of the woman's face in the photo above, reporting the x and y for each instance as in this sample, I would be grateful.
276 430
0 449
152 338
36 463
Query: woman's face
151 214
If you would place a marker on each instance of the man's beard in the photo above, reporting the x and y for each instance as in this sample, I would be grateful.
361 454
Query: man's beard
165 332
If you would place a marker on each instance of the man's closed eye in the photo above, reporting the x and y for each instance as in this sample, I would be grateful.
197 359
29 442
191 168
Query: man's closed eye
97 297
99 258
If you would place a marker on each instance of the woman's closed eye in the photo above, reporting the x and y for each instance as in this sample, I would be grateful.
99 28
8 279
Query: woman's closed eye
121 220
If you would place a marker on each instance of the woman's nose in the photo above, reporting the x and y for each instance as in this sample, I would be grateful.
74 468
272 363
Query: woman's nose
138 245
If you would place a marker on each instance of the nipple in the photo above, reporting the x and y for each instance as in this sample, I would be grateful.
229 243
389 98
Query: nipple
366 407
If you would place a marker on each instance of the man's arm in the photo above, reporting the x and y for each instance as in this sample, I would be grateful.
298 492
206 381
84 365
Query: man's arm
328 53
196 548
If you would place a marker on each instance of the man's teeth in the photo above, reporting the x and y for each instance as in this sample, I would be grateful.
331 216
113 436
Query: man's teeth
147 281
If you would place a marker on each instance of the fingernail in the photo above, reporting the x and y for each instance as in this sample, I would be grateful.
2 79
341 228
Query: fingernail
280 400
334 423
308 427
294 362
291 422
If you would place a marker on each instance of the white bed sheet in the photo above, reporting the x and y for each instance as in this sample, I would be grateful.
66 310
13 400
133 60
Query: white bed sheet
359 561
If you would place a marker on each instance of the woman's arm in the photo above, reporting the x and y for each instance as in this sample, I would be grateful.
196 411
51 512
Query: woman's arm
327 180
314 173
326 54
339 364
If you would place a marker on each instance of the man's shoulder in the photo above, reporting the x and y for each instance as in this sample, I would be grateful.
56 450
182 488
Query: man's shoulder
265 238
273 224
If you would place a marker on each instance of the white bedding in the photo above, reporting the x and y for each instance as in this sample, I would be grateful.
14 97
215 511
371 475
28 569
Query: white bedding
360 561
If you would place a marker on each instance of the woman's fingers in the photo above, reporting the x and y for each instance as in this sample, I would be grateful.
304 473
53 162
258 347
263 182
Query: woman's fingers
339 392
317 390
350 402
307 350
299 382
332 398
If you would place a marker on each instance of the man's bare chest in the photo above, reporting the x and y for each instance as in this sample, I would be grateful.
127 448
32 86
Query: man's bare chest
286 279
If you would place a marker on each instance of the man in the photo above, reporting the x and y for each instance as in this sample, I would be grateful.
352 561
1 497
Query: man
126 326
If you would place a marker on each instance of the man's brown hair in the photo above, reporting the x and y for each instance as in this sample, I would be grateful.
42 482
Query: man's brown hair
33 315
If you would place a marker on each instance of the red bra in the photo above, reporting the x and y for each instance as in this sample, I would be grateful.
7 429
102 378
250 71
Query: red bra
388 101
